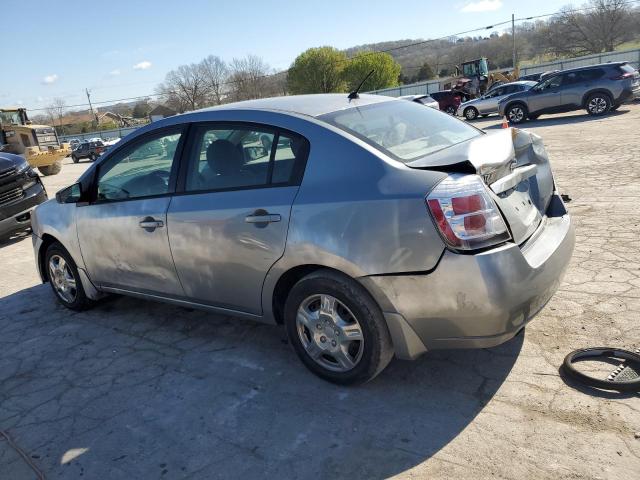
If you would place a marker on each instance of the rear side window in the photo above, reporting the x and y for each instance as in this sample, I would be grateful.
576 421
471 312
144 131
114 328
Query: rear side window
223 158
403 130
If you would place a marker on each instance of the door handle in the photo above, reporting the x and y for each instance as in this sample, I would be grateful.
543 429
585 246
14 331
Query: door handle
263 218
150 223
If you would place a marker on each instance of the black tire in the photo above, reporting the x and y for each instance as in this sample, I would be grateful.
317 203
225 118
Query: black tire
75 159
598 104
451 110
93 157
80 301
516 113
53 169
376 348
470 113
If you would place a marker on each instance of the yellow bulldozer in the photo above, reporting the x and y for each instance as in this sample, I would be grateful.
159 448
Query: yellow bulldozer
38 144
473 78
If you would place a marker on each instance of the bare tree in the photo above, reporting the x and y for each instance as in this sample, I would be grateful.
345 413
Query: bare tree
248 77
215 73
185 88
56 110
601 28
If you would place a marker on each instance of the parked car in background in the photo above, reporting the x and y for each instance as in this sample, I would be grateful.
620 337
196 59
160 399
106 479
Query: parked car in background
598 89
448 101
20 191
73 142
267 210
110 141
425 100
536 77
488 103
90 150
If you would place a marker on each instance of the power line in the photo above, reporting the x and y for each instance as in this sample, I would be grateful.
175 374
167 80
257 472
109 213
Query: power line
387 50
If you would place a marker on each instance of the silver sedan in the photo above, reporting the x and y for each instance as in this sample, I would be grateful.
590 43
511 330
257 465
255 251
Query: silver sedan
488 103
367 227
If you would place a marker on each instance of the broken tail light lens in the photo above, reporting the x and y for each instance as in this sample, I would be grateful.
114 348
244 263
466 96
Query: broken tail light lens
465 214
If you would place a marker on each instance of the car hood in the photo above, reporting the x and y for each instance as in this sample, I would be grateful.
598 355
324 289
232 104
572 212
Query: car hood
9 160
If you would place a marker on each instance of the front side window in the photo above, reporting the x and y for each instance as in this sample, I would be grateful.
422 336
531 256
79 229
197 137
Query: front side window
552 82
403 130
223 158
140 171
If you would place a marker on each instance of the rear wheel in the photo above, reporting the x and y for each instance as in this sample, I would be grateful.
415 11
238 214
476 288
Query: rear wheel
598 104
63 277
470 113
75 159
451 110
53 169
336 328
93 157
517 113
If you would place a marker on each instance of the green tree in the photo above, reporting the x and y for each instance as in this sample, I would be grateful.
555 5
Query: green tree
386 71
141 109
425 73
317 70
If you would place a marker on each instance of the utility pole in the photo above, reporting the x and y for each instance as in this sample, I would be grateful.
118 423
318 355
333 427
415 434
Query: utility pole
513 37
91 107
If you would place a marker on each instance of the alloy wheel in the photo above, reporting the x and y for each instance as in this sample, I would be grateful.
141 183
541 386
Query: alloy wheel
329 333
597 105
516 114
62 278
470 113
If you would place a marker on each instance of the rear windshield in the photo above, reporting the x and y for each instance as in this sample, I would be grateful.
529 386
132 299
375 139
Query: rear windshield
626 68
403 130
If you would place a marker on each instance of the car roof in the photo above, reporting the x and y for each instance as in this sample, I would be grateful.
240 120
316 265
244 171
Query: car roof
577 69
310 105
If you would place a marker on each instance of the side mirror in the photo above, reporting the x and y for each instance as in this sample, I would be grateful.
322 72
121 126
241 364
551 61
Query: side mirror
70 194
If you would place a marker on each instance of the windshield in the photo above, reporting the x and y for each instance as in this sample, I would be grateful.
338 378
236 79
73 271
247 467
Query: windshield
403 130
10 118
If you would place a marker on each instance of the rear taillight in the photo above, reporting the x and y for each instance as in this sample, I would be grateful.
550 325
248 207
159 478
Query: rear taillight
623 76
465 214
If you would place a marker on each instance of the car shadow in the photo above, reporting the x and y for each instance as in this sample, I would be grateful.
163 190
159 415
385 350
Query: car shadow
549 121
14 237
141 388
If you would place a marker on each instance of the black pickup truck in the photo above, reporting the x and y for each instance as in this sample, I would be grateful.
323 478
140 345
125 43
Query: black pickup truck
20 191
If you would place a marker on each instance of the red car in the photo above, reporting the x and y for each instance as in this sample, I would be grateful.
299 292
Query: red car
447 100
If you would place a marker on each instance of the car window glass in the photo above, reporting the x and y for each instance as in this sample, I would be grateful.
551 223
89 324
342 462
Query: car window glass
552 82
229 159
141 171
570 78
289 149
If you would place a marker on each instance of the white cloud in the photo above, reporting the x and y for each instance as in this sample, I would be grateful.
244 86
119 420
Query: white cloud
115 72
482 6
49 79
142 65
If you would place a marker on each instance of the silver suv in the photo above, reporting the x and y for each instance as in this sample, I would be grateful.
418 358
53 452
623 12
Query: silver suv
598 89
488 103
368 227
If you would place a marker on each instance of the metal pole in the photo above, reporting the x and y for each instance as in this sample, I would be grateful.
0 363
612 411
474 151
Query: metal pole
91 107
513 37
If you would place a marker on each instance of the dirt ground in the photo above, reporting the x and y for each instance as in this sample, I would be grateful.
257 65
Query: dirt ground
133 389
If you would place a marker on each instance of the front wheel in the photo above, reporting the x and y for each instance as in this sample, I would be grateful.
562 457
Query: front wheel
63 277
470 113
52 169
598 104
517 113
336 328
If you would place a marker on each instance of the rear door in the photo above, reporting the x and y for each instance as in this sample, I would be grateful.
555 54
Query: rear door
229 224
576 84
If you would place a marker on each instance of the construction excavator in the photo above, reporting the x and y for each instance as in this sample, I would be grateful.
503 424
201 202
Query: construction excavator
473 78
38 144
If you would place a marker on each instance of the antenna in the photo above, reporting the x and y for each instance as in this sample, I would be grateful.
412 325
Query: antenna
353 95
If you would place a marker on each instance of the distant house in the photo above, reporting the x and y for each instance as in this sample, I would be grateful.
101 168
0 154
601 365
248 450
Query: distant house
160 112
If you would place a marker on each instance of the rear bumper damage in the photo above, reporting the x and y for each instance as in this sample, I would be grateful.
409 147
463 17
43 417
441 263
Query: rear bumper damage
477 300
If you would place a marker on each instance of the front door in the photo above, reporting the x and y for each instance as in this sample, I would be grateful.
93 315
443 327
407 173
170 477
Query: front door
229 225
547 97
123 231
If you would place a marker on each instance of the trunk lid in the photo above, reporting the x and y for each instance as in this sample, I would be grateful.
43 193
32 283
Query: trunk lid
514 165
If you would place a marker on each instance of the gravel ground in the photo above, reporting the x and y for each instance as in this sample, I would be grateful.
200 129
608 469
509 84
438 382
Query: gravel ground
133 389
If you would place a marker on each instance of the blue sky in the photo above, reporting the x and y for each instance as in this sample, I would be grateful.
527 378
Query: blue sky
124 48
